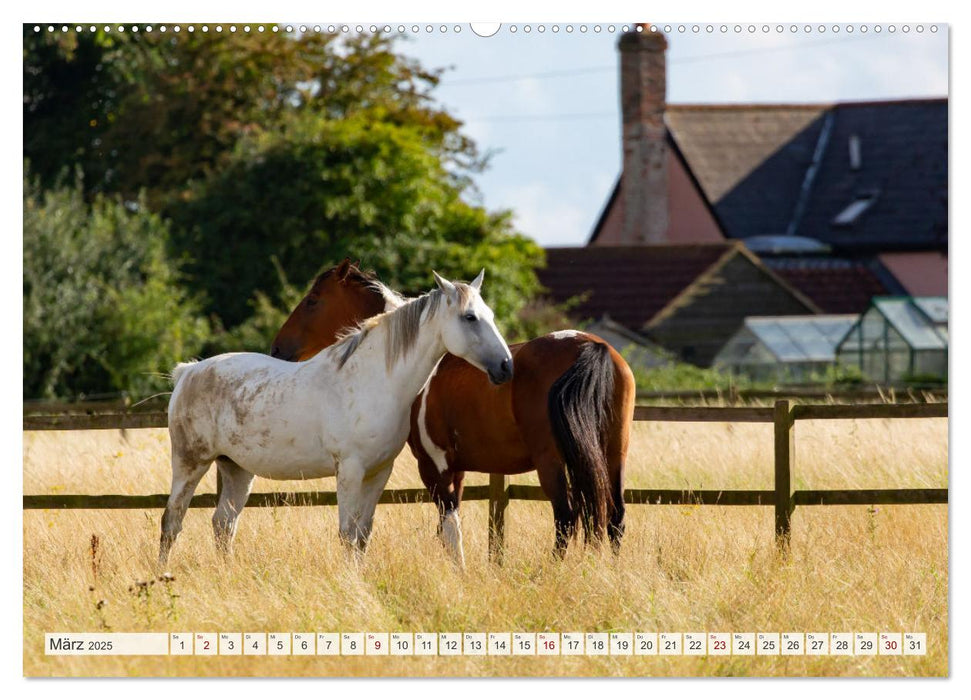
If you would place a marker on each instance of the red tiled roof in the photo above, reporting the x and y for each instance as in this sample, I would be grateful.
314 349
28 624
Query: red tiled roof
836 286
630 284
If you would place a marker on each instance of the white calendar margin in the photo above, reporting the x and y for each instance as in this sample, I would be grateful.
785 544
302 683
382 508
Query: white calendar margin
12 644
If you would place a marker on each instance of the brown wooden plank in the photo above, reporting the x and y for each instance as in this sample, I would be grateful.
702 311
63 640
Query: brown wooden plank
708 497
109 501
785 451
103 421
83 407
521 492
57 408
903 394
704 414
516 492
469 493
846 497
743 414
208 500
889 410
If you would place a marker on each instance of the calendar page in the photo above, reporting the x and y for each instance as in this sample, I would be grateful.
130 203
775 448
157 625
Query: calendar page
439 349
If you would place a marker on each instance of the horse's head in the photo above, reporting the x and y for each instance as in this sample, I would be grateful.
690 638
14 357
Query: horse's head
339 298
469 329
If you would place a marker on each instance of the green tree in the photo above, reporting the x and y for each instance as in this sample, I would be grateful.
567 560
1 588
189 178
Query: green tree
303 147
319 190
152 111
103 310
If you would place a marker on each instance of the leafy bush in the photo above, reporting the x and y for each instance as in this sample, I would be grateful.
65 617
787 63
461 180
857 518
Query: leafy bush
103 308
678 376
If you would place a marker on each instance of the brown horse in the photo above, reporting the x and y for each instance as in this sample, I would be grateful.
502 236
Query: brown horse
566 413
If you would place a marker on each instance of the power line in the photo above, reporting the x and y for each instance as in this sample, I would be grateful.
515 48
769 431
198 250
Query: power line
568 73
531 76
770 49
541 117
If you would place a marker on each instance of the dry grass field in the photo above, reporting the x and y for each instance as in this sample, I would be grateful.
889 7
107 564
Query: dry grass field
681 568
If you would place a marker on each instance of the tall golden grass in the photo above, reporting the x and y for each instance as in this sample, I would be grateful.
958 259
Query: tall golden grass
682 568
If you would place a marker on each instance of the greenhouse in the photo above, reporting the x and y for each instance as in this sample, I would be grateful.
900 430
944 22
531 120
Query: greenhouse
784 348
899 339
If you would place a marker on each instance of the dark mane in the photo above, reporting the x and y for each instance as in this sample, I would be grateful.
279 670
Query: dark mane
364 277
367 279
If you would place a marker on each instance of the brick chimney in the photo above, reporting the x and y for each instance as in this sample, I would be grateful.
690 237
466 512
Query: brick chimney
643 91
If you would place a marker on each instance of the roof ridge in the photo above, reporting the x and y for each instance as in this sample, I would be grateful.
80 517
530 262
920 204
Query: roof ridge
690 106
652 246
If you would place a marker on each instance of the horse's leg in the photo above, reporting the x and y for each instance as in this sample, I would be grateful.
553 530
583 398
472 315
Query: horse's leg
447 494
616 525
618 442
186 475
552 478
236 485
356 500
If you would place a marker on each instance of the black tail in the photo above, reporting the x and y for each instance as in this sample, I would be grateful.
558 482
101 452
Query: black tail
579 406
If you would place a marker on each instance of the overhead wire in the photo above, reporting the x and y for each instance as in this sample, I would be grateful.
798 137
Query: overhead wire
602 69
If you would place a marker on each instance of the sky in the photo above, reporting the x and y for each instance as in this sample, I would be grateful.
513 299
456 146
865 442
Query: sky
547 106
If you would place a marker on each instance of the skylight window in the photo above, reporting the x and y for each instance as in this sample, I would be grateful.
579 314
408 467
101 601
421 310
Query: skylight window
856 155
855 209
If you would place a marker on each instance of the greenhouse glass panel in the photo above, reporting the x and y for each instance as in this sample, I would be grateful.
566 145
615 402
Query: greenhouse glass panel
815 346
875 365
738 349
930 363
899 337
912 324
898 364
871 328
935 308
778 342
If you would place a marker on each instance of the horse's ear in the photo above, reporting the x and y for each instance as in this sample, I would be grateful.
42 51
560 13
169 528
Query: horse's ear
477 282
343 269
444 284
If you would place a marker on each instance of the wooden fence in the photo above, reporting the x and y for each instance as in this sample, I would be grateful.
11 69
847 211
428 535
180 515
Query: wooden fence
499 492
732 395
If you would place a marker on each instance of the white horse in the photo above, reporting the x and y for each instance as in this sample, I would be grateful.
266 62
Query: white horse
345 411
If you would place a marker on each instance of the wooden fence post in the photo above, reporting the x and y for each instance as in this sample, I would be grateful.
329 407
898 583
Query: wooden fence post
498 500
785 444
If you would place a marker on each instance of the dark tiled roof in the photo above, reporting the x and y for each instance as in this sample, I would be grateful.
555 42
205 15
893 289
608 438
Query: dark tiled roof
837 286
903 149
630 284
751 162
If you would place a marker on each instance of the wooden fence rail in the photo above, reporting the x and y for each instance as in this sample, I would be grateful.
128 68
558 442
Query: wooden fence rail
499 492
880 393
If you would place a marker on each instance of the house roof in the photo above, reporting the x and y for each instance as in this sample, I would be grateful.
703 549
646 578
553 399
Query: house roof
636 285
752 163
650 278
836 285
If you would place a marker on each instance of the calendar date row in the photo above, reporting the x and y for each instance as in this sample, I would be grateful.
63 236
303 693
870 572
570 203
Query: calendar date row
488 644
